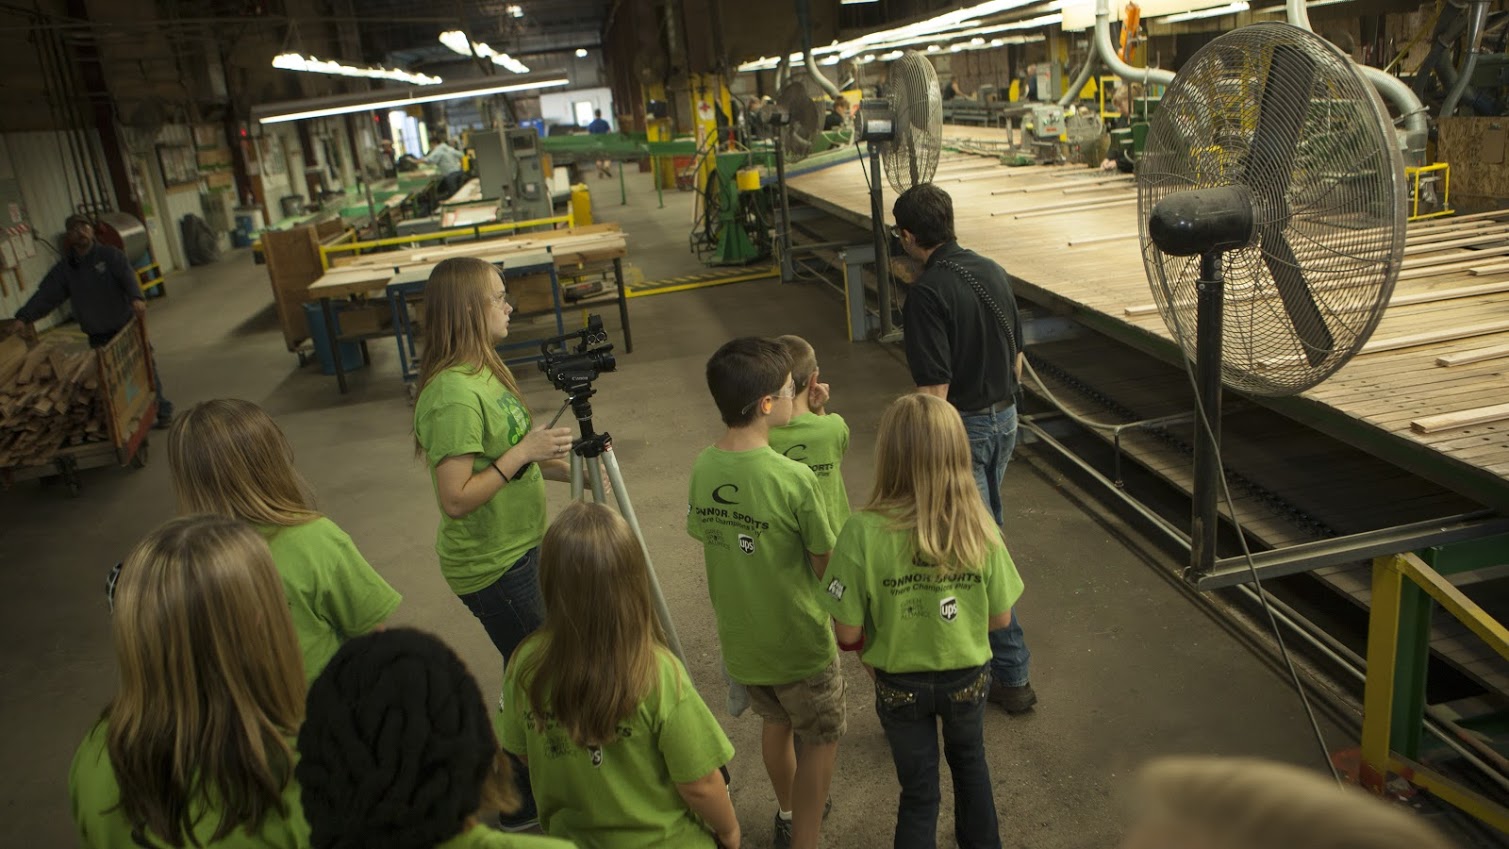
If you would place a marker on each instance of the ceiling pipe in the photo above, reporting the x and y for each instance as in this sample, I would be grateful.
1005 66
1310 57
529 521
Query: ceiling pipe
1477 22
1079 79
1112 59
804 21
1411 110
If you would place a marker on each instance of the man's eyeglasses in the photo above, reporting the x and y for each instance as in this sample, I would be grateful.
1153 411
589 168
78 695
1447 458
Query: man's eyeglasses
787 391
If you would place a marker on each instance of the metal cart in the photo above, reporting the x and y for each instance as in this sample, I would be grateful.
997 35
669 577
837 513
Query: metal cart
127 389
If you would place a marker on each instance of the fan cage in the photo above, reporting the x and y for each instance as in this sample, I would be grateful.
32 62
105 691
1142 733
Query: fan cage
803 120
1341 208
912 158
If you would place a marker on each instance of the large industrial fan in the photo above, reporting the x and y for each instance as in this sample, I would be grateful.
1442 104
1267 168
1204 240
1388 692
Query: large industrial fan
1272 207
905 130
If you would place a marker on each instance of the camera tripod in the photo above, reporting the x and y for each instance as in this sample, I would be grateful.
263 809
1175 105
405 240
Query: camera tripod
594 453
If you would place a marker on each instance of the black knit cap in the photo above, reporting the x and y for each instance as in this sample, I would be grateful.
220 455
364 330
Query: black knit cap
77 218
395 746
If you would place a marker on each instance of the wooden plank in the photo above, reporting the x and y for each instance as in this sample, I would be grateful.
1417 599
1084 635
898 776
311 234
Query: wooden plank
1432 247
1059 209
1476 355
1464 418
1489 269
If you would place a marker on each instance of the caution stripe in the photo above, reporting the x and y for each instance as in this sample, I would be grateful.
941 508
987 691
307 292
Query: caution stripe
689 282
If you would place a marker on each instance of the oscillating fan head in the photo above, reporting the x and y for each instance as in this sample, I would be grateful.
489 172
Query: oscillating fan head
911 158
1288 120
802 121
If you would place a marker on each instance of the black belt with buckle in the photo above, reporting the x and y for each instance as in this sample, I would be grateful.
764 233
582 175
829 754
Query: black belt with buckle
997 407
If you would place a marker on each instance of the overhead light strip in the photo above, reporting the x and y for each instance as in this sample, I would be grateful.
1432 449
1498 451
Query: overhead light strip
324 107
313 65
1218 11
934 26
458 42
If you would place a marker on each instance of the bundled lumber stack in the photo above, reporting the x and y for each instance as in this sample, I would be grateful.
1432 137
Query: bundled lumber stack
49 399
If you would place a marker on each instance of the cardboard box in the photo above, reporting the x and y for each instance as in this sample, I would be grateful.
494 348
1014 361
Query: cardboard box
366 318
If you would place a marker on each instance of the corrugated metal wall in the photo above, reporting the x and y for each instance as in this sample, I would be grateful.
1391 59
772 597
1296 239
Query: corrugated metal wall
40 164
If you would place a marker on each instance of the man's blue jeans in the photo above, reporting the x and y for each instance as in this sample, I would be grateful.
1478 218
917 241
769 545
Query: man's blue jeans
992 437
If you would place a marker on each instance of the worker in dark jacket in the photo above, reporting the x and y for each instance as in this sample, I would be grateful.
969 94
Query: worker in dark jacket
103 288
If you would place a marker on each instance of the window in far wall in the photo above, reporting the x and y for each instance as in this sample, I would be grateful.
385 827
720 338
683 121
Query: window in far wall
583 109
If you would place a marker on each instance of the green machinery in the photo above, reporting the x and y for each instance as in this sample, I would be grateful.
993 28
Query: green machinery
739 217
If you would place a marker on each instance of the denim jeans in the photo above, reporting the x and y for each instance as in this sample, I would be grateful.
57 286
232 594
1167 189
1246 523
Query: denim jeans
992 437
510 610
911 706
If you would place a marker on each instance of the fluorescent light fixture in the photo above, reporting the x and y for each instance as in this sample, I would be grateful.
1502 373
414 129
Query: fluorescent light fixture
856 2
312 65
890 57
977 40
456 40
581 52
934 48
1313 3
1218 11
321 107
946 25
515 11
829 60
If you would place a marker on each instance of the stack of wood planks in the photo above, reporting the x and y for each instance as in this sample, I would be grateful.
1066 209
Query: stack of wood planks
49 399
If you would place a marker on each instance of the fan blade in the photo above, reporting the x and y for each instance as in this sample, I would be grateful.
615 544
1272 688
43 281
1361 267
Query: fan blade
1269 171
1286 96
1299 302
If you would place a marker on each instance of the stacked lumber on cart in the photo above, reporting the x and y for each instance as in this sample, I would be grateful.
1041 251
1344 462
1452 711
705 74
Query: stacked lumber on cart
49 399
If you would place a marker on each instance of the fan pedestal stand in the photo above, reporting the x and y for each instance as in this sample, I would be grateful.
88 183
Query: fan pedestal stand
1207 472
882 251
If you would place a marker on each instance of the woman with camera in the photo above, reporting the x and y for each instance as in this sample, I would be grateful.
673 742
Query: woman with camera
487 460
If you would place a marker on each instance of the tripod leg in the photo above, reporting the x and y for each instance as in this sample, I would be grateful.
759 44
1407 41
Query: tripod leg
615 477
576 477
595 473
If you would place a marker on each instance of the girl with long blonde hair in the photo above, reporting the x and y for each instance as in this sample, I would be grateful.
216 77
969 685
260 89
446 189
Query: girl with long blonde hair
194 748
488 462
917 581
623 753
230 458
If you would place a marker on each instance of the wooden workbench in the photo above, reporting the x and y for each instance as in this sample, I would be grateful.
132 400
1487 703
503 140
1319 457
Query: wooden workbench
571 251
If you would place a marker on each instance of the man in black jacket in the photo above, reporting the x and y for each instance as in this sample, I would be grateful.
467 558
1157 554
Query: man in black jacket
103 288
964 344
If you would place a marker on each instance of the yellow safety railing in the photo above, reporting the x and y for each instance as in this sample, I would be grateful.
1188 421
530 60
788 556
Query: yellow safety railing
1378 759
1414 173
481 230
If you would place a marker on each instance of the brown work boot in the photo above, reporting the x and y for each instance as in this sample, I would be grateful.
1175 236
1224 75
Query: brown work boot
1014 699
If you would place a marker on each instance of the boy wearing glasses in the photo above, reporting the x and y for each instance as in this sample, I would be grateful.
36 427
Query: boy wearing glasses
766 537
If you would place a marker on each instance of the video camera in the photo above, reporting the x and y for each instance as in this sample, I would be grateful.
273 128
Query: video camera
572 368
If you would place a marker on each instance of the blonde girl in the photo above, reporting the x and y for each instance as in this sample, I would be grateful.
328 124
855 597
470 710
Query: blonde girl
194 748
397 751
487 460
1246 803
230 458
918 579
623 753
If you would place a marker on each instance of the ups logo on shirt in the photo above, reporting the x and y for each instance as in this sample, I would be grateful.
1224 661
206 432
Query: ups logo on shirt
948 608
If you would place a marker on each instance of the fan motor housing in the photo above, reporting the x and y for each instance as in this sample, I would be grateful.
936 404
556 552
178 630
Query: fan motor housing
877 120
1203 220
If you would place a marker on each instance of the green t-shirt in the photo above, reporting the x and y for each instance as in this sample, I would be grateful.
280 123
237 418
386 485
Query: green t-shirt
623 795
463 412
757 515
819 443
915 620
482 837
333 592
102 824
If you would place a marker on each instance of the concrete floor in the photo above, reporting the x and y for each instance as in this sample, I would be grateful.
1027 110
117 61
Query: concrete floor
1125 667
